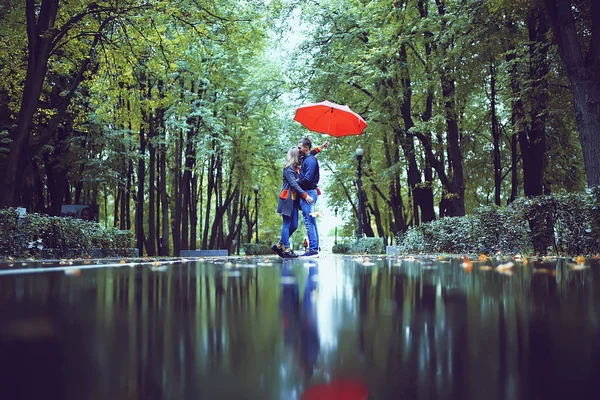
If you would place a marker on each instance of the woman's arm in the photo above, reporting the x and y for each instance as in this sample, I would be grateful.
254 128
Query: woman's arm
290 176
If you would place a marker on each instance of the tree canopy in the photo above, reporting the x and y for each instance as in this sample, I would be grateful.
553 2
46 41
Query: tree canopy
166 114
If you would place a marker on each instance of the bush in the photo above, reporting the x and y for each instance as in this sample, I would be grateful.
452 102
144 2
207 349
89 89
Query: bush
412 241
113 242
451 234
342 248
369 245
28 236
504 229
8 231
256 249
567 224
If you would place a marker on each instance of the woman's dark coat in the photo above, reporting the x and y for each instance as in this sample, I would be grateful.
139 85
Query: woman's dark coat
285 206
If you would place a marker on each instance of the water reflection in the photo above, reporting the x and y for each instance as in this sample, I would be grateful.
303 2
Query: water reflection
407 328
310 343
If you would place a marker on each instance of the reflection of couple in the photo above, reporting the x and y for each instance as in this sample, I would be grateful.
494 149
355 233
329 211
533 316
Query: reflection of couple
299 191
304 321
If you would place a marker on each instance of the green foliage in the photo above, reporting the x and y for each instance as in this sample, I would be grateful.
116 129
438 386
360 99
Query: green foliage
342 248
28 236
501 228
113 242
8 231
564 224
257 249
412 241
367 245
450 234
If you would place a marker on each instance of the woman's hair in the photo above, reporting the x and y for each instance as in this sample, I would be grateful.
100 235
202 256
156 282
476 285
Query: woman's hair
292 157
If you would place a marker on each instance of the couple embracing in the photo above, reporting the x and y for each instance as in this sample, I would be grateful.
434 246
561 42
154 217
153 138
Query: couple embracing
299 191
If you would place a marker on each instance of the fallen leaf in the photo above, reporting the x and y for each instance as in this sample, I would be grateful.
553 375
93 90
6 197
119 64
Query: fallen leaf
505 266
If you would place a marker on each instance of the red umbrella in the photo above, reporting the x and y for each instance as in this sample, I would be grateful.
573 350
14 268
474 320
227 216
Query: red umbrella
337 390
330 118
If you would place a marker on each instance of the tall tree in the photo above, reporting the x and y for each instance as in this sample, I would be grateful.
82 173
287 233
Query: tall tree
576 28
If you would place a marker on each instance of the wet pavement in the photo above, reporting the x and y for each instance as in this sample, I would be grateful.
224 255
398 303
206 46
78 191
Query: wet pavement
270 329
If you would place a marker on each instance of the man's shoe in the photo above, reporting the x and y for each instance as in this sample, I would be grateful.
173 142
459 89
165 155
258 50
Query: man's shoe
278 250
310 253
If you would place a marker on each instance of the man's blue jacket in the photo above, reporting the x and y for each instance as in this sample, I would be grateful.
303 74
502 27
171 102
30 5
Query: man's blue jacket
309 172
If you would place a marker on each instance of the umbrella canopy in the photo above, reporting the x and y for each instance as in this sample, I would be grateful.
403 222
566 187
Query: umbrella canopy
330 118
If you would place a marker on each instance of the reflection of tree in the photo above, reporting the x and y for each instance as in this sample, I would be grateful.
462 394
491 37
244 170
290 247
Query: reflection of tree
364 292
456 352
541 366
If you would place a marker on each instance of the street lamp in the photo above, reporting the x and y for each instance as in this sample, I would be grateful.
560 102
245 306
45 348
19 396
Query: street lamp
256 209
359 155
336 224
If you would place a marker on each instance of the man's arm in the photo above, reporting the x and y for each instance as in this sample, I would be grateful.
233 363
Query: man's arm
318 149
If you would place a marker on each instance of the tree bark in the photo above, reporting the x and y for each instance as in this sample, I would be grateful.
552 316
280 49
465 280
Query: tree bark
533 141
495 137
583 68
162 187
39 44
141 173
152 212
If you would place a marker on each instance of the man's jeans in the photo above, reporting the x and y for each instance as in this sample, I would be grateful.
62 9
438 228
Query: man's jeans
310 221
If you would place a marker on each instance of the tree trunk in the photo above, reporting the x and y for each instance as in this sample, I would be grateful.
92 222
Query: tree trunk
162 186
151 240
453 201
186 189
176 190
209 192
533 142
117 205
39 45
141 173
56 181
419 191
584 74
495 137
517 117
128 191
194 211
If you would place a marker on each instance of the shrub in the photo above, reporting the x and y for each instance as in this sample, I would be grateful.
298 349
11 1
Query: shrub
369 245
8 231
28 236
113 242
450 234
503 229
412 241
256 249
568 224
342 248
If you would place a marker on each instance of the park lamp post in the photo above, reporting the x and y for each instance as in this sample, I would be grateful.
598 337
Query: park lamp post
256 209
359 156
336 224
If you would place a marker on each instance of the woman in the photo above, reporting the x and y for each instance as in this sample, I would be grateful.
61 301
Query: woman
288 204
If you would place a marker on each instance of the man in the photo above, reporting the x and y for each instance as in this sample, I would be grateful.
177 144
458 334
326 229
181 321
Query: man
309 179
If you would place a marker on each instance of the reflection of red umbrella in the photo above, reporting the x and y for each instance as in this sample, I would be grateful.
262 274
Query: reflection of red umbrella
330 118
337 390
